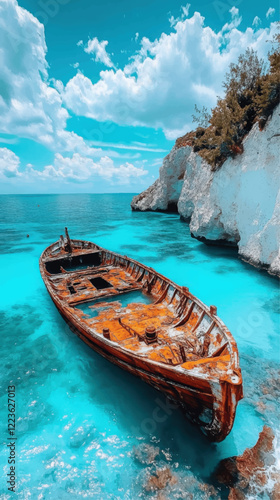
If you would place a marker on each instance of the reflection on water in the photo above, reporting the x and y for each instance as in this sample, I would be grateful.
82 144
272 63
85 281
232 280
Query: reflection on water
80 418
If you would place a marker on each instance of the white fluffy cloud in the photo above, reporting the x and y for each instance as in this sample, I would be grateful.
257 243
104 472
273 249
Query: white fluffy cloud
158 88
80 169
270 12
98 50
29 106
9 163
76 168
166 77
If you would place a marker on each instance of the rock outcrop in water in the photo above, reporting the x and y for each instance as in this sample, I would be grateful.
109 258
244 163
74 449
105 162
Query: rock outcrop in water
160 480
252 472
238 204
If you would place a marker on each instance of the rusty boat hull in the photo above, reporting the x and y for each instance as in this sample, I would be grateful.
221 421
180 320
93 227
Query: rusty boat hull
149 326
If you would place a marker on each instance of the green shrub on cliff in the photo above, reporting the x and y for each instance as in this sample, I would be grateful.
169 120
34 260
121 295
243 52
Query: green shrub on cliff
251 94
268 93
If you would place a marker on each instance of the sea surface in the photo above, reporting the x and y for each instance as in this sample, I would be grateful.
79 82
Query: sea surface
85 428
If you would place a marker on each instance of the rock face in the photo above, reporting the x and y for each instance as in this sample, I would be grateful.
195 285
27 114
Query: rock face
239 204
252 472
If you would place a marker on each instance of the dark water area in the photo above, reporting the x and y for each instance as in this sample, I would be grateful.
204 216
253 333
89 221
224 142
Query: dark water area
85 428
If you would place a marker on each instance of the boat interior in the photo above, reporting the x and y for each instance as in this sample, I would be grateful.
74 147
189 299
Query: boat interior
135 308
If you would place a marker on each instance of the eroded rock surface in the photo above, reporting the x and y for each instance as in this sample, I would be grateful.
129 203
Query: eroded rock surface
238 204
253 471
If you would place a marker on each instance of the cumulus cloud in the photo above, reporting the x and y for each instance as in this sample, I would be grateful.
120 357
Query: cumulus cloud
167 76
30 106
236 20
80 169
75 168
98 50
9 164
270 12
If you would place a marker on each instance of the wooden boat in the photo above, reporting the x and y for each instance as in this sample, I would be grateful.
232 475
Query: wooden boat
149 326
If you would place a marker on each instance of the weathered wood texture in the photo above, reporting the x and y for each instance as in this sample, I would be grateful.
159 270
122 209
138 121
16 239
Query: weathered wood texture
173 342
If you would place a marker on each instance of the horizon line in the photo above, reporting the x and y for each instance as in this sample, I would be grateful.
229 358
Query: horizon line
52 194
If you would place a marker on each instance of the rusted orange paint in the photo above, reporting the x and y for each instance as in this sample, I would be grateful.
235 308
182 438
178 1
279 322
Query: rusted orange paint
184 326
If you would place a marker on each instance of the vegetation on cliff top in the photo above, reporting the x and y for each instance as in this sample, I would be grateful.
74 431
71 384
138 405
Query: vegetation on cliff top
251 94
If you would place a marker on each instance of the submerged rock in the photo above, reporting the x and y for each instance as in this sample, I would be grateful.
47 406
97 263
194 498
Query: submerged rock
160 480
145 453
251 471
238 204
165 484
82 436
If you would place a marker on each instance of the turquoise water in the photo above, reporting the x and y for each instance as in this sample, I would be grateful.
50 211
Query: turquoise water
124 299
83 425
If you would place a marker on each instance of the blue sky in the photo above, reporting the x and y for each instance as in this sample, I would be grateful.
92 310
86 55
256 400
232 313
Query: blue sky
94 94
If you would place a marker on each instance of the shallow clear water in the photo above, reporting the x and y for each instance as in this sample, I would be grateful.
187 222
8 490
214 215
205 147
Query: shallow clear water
124 299
81 420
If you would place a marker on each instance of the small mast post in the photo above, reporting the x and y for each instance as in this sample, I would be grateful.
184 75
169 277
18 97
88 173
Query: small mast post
68 246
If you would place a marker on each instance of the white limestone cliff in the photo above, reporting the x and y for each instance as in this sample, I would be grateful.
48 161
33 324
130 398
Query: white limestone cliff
238 204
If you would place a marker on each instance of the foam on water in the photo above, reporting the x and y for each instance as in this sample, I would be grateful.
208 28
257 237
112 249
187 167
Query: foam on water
79 418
